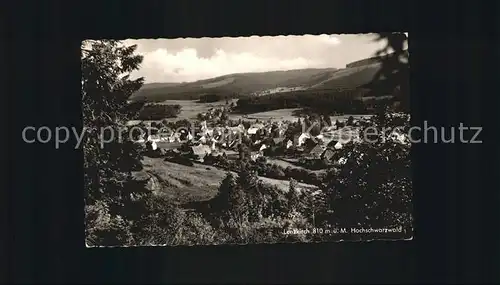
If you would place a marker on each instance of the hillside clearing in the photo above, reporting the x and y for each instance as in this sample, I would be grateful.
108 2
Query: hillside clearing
191 108
287 114
196 183
350 77
274 115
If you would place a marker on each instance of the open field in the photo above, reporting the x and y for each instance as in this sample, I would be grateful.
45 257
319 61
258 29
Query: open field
290 162
190 108
169 145
274 115
286 114
345 117
282 163
197 183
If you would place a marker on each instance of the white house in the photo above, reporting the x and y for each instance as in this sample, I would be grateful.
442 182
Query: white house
262 147
252 131
132 123
338 145
201 150
254 128
154 146
254 156
258 126
203 125
302 138
398 137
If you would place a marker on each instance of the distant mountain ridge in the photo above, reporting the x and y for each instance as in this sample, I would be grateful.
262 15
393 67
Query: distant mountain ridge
159 85
355 75
366 61
363 62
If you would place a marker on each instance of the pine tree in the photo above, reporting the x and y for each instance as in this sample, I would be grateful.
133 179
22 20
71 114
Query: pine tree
106 87
350 121
307 123
224 116
309 206
222 201
395 67
292 196
237 204
248 182
247 179
242 152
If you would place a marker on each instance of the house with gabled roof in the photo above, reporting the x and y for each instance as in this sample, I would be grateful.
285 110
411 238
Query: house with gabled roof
263 147
151 145
302 138
328 154
233 143
200 150
278 141
255 155
316 151
335 144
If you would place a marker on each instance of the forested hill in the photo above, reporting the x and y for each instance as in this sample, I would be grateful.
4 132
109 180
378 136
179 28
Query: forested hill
356 74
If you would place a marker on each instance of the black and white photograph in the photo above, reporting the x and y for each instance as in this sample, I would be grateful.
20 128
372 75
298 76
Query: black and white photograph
246 140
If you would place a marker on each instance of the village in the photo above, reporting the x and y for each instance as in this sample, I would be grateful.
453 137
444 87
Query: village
281 149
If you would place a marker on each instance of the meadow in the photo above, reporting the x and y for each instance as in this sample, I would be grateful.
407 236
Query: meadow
184 184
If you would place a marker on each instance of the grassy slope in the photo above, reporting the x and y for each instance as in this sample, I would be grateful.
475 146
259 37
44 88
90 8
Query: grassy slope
350 77
197 183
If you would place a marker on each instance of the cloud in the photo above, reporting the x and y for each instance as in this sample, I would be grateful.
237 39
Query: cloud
184 60
162 65
330 39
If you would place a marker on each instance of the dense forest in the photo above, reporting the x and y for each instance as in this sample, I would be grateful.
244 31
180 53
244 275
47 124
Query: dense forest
327 102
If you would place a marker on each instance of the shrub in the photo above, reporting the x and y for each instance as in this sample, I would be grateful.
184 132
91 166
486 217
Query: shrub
265 230
159 111
161 224
210 98
196 230
373 187
104 229
180 160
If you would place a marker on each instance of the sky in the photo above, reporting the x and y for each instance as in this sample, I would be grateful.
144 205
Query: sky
191 59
